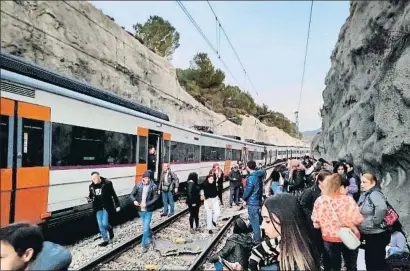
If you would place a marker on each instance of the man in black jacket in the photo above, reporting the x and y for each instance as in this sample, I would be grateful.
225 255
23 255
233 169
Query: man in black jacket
235 178
103 197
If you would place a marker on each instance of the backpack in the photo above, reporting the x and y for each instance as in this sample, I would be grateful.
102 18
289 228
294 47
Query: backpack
391 216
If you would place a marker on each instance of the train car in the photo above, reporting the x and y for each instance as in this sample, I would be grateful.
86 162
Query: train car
55 131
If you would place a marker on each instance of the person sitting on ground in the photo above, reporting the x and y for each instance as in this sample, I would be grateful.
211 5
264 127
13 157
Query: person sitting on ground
290 245
398 243
237 248
23 248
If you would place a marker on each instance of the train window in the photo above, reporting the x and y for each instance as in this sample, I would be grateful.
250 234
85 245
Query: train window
4 138
167 145
119 148
212 154
33 143
236 155
184 153
142 150
228 154
80 146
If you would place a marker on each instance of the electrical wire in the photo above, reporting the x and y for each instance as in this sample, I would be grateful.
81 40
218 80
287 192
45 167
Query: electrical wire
206 39
306 50
233 49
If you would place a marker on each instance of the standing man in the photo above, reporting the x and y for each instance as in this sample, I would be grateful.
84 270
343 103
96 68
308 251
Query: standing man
144 195
103 197
252 197
168 184
234 184
152 160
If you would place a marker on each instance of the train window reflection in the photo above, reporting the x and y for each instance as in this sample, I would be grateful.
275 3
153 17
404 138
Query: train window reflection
32 143
4 138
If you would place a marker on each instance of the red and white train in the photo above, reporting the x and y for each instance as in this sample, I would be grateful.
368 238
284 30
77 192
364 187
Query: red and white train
56 130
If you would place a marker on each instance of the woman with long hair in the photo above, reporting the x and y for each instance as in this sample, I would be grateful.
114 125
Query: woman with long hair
211 203
373 206
193 200
290 241
331 211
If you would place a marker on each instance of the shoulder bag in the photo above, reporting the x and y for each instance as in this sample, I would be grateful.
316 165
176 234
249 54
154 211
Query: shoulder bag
345 234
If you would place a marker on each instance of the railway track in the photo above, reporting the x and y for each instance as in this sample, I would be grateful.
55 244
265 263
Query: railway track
184 251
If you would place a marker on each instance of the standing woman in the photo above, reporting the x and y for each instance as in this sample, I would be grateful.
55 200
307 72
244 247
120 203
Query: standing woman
290 245
332 211
211 203
373 206
193 200
219 179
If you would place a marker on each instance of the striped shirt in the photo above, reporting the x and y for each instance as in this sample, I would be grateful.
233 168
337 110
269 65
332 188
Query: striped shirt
266 253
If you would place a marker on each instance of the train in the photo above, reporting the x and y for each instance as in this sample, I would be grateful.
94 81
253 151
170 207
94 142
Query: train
56 130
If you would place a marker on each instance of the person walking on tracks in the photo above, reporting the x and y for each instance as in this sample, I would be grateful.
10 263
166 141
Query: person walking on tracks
234 184
193 201
168 184
252 197
103 197
144 195
211 203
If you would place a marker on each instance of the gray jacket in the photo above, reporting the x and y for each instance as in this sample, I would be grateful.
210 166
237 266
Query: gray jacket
173 182
373 211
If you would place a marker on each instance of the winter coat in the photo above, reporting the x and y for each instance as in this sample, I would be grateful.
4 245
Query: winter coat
254 189
109 197
296 183
237 248
152 197
373 207
235 179
52 257
308 198
193 194
172 179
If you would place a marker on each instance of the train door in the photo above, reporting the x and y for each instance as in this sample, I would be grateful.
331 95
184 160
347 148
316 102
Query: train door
228 160
25 130
155 159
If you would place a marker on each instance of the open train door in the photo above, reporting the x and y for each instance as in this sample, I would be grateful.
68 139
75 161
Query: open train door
25 134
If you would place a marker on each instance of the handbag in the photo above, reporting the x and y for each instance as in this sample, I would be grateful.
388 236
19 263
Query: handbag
345 234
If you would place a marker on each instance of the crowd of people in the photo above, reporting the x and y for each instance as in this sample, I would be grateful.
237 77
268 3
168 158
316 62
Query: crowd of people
306 215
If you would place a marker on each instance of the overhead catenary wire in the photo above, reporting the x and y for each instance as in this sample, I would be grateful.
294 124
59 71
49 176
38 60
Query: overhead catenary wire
233 49
306 50
207 40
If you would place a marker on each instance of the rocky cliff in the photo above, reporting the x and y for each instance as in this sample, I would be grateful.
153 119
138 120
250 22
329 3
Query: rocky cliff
366 111
76 39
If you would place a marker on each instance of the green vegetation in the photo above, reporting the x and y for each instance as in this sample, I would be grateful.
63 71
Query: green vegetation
206 83
158 35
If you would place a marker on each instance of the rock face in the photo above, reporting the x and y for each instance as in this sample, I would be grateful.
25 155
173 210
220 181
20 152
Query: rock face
76 39
366 111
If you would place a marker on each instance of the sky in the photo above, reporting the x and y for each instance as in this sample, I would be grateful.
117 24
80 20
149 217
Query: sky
269 38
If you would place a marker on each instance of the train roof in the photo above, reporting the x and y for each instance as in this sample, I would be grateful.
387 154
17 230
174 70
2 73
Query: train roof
23 67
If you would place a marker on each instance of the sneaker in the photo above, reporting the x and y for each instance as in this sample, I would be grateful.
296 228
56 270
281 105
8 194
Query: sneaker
192 231
103 244
170 215
210 232
214 223
111 233
144 250
163 214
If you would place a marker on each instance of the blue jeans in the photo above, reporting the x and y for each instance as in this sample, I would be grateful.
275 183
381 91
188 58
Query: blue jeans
254 212
146 227
218 266
273 267
103 225
168 197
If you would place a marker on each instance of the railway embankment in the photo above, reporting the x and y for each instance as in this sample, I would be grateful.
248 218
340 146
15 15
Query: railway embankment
78 40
